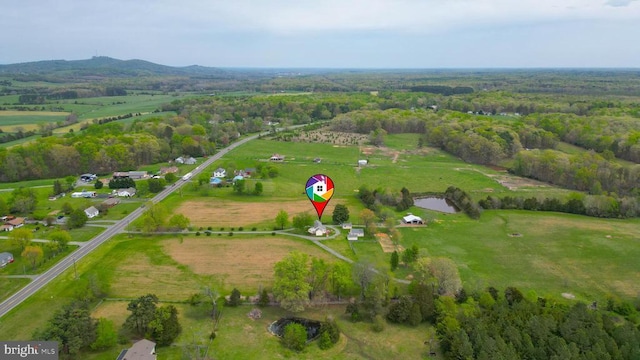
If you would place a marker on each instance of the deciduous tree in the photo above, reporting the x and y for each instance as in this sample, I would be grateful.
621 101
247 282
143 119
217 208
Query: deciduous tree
21 238
143 311
291 286
282 219
33 254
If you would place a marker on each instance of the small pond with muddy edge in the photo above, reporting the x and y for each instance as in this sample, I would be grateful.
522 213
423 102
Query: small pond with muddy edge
436 203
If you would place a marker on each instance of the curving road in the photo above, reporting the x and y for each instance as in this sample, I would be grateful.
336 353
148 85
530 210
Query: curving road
44 278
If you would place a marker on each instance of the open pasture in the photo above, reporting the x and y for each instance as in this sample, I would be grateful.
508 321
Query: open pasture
402 164
549 253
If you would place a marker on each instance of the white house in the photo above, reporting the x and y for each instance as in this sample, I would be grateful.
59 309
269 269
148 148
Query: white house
354 234
91 212
412 219
220 173
186 160
318 229
128 192
277 157
363 162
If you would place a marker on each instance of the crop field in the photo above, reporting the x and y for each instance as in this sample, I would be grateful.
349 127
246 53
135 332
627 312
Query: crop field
11 121
227 213
242 261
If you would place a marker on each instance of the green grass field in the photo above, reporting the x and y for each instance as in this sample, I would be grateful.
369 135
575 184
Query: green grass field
541 253
548 253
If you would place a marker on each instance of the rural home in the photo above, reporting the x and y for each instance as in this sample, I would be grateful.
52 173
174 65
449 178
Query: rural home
128 192
15 222
141 350
347 226
5 259
120 175
137 175
244 172
354 234
6 227
186 160
168 170
84 194
412 219
91 212
277 157
220 173
318 229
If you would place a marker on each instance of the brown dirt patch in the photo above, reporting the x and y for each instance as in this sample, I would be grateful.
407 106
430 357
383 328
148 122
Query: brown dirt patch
243 262
325 136
226 213
386 243
115 311
138 276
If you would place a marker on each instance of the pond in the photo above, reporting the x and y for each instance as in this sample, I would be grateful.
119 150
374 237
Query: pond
312 326
437 204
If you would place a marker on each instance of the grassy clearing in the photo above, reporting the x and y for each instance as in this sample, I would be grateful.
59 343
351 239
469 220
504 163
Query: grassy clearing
554 253
9 286
240 337
22 266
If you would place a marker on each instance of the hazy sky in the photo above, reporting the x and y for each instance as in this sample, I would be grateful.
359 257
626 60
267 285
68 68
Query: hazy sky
327 33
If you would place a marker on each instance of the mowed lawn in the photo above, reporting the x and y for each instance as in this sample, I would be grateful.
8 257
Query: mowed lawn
549 253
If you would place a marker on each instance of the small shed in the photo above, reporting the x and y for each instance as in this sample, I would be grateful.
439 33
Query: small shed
111 202
412 219
363 162
6 258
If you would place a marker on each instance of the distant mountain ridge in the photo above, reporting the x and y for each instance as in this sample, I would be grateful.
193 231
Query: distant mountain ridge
104 66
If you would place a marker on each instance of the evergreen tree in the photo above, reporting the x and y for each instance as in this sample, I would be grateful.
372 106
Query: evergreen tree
394 260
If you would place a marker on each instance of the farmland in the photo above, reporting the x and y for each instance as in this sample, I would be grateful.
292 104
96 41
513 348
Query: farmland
381 142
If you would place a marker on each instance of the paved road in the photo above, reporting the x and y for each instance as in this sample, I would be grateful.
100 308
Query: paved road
44 278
